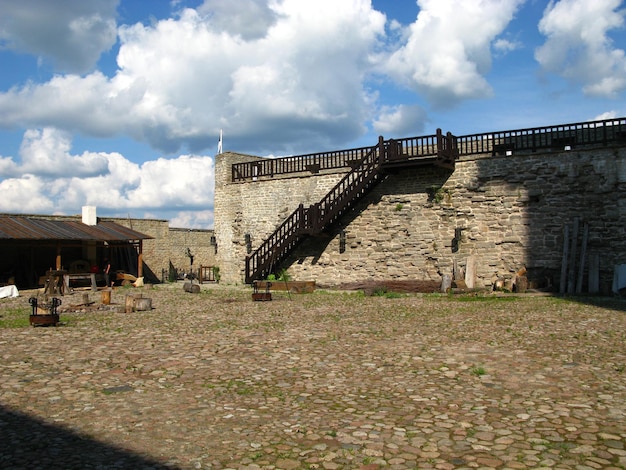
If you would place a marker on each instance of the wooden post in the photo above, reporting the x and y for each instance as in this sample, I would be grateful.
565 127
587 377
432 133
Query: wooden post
563 281
571 274
583 254
594 273
140 260
58 258
106 296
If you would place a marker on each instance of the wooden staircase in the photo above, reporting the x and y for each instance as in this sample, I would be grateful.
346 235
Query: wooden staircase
371 169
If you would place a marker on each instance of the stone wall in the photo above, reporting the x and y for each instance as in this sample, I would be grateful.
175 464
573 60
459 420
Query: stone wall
169 246
506 212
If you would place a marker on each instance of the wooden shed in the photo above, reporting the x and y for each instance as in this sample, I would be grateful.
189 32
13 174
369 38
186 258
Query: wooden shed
31 246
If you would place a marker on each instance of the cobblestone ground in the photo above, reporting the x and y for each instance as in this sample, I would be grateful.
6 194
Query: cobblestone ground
325 380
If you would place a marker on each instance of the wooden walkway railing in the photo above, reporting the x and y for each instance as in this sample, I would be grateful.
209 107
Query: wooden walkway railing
407 149
604 132
552 138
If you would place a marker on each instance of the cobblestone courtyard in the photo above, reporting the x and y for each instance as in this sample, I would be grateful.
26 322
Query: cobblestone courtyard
326 380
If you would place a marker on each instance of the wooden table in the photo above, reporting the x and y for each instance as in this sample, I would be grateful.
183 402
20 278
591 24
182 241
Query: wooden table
75 276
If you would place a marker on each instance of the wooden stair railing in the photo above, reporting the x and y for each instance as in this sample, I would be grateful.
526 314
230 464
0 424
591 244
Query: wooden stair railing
351 188
314 219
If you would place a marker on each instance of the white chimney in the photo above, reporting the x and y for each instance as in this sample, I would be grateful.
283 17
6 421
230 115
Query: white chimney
89 215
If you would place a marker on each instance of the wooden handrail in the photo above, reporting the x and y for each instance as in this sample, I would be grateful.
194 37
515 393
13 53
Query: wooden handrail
308 221
366 172
601 132
534 139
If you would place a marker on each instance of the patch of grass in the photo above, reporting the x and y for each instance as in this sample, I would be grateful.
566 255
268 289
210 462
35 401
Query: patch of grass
478 371
256 456
379 291
484 298
393 295
239 387
15 317
384 292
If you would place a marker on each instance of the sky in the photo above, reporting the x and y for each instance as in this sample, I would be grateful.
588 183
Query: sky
119 104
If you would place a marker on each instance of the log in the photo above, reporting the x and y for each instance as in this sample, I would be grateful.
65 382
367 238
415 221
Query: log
369 286
296 287
520 285
106 296
142 304
130 302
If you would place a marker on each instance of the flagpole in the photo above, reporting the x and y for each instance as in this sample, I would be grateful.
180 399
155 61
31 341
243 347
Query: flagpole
219 144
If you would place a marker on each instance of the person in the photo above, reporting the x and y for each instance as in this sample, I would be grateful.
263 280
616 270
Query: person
106 270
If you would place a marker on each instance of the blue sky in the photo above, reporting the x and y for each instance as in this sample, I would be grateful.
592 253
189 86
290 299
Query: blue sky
119 103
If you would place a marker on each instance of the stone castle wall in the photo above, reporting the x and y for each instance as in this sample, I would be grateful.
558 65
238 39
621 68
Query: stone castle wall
506 212
170 245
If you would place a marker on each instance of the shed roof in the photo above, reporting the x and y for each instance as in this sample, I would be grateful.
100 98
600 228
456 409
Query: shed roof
32 228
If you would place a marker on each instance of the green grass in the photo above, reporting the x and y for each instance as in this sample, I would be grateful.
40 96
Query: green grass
484 298
478 371
15 317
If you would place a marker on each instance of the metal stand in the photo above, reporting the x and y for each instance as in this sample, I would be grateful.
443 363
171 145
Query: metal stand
44 314
261 296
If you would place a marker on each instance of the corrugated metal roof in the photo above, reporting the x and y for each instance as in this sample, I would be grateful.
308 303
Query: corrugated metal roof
30 228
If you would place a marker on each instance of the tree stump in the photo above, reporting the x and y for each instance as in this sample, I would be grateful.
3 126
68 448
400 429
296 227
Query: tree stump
130 302
142 304
106 297
191 287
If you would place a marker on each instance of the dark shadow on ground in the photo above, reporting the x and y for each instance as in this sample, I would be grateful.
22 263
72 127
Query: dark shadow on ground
610 303
26 442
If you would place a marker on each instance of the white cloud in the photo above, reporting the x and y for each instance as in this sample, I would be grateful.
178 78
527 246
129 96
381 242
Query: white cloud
185 182
72 34
249 19
606 115
400 121
46 153
180 186
193 219
181 80
504 46
578 46
26 195
447 52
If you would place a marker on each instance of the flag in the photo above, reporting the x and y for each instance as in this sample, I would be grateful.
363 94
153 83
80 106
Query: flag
219 144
